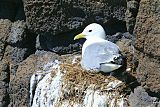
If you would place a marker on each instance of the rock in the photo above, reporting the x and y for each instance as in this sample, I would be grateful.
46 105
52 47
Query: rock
17 43
118 36
19 83
148 73
114 38
20 37
14 56
57 44
127 50
131 14
147 47
2 49
147 33
60 16
17 32
45 57
12 10
127 35
5 26
4 84
140 98
57 22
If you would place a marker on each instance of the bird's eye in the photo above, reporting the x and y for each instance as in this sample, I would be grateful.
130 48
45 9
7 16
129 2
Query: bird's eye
90 31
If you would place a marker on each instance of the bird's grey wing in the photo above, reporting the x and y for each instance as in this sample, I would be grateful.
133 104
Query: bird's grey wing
98 53
116 60
111 47
90 59
112 50
108 52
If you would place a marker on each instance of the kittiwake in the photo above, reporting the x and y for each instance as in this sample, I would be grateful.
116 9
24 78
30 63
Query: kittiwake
99 54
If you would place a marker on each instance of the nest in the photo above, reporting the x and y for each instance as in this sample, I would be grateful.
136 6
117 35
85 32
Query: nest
77 80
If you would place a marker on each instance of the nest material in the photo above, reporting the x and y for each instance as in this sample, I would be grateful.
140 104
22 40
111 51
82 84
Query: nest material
77 80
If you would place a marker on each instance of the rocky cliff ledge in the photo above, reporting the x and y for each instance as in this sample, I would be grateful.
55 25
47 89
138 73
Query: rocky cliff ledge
39 61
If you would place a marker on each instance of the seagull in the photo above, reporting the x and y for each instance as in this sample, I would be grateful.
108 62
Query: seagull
99 54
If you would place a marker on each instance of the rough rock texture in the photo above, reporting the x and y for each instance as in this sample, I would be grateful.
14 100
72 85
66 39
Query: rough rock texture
55 20
127 51
131 14
19 83
4 84
14 56
16 43
54 44
5 26
140 98
17 33
60 16
2 49
12 10
147 44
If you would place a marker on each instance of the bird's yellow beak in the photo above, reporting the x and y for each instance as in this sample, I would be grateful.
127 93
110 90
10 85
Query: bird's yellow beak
79 36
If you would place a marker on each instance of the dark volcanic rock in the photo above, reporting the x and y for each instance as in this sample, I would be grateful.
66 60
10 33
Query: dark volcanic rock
12 10
57 22
131 14
148 72
5 26
2 49
147 44
56 16
17 32
19 44
114 38
19 83
140 98
14 56
4 84
59 44
19 36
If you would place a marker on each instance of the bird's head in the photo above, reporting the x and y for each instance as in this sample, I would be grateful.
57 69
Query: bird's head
92 30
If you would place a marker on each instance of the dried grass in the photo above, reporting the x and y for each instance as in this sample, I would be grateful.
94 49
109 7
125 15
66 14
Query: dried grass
77 80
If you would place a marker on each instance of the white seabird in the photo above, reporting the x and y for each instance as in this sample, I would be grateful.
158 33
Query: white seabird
99 54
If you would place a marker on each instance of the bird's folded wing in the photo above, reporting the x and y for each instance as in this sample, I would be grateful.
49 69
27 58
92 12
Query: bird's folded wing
99 52
109 53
